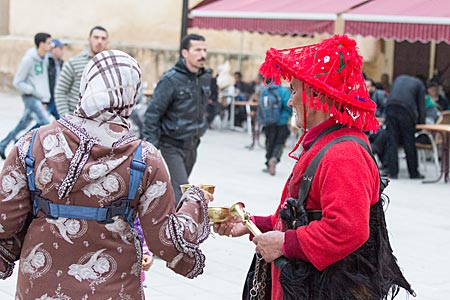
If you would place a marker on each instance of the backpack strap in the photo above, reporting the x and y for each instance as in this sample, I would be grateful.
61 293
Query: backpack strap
137 169
325 132
308 176
29 164
121 207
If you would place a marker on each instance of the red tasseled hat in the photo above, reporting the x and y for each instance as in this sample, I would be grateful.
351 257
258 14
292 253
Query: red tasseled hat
332 68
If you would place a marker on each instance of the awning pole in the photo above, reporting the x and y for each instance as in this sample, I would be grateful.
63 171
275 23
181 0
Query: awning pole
339 25
432 58
184 19
241 51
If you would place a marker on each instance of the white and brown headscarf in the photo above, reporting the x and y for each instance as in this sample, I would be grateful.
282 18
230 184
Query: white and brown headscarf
109 86
108 89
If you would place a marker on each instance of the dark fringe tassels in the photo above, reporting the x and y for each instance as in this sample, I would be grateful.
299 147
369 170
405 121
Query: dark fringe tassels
369 273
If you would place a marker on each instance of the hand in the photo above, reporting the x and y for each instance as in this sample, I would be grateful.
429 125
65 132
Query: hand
232 227
270 245
147 262
208 196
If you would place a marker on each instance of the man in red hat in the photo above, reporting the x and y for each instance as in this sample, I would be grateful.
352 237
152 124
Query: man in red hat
341 249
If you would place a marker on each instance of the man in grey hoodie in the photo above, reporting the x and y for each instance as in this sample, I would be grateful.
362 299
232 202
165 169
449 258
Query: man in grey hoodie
31 80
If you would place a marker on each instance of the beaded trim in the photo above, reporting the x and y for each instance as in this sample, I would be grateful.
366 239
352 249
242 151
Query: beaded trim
8 258
191 249
8 272
125 139
139 253
21 147
206 230
176 232
79 159
5 254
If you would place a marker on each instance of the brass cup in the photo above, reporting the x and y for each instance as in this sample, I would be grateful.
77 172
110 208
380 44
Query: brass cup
207 187
218 214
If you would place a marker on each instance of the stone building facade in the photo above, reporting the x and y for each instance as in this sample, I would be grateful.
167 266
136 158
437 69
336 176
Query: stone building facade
148 30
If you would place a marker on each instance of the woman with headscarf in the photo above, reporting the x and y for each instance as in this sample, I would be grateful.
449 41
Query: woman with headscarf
82 163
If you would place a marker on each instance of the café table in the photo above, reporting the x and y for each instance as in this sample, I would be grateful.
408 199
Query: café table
444 130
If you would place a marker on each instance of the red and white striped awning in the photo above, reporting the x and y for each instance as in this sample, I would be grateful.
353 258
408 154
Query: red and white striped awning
410 20
293 17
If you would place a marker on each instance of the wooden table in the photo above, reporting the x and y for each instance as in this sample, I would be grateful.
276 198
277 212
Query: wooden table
444 130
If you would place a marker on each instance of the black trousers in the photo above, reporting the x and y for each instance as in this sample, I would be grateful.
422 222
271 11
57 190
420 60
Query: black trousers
276 136
401 128
180 160
378 142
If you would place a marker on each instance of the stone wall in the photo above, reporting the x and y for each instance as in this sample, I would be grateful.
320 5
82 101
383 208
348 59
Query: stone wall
149 30
153 62
4 17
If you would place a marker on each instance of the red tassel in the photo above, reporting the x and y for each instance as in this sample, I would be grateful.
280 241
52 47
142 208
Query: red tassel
318 105
304 95
325 105
311 99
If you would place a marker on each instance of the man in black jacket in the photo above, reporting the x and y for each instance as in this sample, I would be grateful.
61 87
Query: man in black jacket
405 107
175 118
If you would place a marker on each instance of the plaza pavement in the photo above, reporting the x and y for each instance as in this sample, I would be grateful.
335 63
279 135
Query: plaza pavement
417 219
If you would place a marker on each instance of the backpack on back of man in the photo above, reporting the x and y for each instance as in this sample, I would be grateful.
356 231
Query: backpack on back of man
270 107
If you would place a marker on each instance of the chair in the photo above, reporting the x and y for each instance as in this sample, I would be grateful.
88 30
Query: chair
423 148
435 142
444 118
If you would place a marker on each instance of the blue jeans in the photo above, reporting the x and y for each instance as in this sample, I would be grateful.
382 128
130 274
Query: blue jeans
51 108
34 110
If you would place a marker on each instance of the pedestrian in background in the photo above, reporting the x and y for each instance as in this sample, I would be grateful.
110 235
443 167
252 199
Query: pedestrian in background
55 62
274 114
405 107
31 80
175 119
67 90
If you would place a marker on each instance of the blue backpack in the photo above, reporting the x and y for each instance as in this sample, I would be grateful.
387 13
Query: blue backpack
270 107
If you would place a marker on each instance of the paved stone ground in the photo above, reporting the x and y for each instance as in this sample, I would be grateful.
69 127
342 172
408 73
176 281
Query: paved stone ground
417 220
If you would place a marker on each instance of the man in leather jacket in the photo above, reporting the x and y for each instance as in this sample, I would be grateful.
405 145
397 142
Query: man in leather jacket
175 118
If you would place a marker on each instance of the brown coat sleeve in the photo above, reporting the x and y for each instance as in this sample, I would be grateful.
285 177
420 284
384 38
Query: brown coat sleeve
15 209
172 235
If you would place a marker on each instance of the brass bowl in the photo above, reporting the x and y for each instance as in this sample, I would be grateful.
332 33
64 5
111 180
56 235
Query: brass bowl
218 214
207 187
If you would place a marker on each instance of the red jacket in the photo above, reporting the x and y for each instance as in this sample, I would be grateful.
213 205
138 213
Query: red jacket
346 184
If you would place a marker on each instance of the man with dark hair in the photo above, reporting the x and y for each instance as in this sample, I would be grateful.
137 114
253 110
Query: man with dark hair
31 80
175 118
405 107
378 96
67 88
186 41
